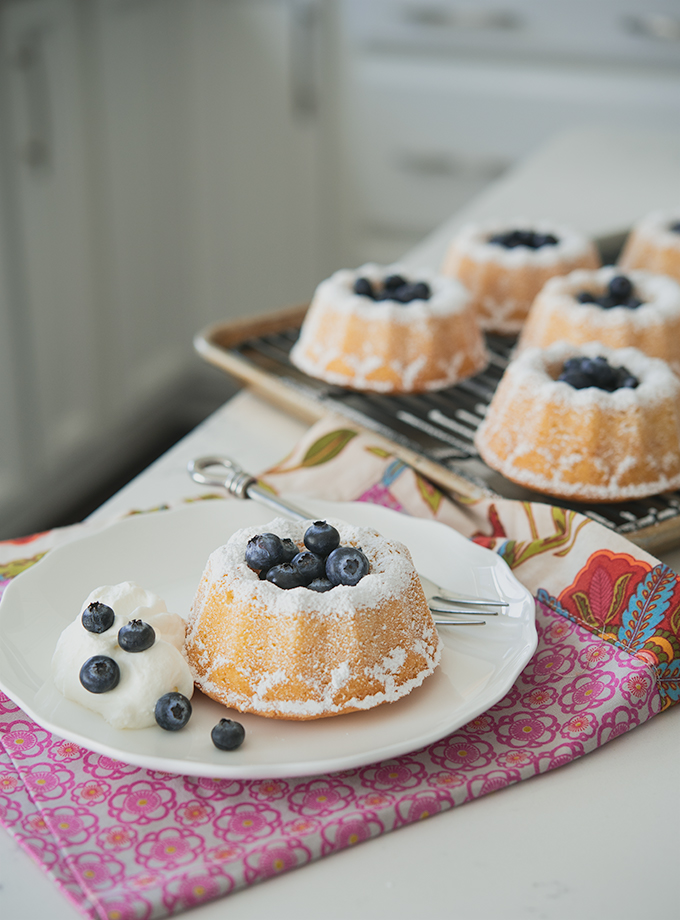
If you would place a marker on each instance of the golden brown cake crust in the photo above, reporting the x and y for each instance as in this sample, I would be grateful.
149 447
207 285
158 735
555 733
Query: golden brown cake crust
296 654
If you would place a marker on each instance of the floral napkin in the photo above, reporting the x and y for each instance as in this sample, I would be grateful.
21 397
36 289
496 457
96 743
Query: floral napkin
124 842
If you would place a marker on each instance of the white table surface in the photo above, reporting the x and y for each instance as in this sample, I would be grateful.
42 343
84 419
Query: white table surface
594 839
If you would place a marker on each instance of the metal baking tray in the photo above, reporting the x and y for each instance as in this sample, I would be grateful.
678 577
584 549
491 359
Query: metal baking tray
433 432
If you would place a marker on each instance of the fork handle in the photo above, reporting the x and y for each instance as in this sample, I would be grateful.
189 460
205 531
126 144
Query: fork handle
229 475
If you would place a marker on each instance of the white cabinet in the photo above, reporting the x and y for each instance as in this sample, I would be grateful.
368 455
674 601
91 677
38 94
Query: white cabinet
159 172
439 97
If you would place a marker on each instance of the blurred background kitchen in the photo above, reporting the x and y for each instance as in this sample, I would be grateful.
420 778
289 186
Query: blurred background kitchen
166 164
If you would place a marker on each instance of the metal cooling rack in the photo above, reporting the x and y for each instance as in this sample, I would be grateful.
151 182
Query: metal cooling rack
440 427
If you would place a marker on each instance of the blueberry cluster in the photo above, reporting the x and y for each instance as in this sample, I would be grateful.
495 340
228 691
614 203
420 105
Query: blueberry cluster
582 372
321 566
532 239
619 294
101 673
394 287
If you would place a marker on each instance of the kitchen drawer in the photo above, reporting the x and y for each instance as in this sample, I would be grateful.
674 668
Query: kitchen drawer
427 136
632 32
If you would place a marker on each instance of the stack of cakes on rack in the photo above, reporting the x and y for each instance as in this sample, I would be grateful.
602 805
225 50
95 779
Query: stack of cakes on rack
654 244
310 619
505 265
585 423
638 309
386 330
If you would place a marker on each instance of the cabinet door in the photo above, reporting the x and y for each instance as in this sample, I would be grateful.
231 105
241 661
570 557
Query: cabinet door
256 144
140 51
50 218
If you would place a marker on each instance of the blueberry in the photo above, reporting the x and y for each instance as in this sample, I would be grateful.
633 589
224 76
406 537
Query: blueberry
581 372
228 735
586 297
421 290
285 575
321 538
675 228
417 290
290 549
346 565
99 674
320 585
136 636
632 303
264 550
620 289
392 282
173 711
544 239
606 301
363 287
403 294
97 617
309 566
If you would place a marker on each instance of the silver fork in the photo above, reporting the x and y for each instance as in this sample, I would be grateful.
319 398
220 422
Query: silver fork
228 475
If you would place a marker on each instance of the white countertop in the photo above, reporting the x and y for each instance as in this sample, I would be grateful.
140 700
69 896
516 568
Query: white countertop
594 839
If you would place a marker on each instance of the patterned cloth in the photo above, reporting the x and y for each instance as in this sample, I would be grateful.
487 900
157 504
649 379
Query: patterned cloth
124 842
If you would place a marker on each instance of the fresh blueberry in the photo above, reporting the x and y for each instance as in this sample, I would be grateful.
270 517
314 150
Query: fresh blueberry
544 239
620 289
632 303
290 550
136 636
228 735
173 711
675 228
392 282
403 294
285 575
97 617
309 566
363 287
320 585
264 550
99 674
586 297
421 291
346 565
321 538
581 372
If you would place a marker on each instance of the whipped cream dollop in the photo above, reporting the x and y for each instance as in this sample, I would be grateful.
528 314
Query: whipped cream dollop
144 676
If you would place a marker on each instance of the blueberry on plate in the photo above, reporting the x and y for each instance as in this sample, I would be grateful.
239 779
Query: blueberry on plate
173 711
321 538
97 617
136 636
264 550
228 735
346 565
99 674
363 287
285 575
321 585
309 566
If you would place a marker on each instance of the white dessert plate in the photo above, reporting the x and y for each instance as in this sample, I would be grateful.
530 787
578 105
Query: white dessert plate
165 552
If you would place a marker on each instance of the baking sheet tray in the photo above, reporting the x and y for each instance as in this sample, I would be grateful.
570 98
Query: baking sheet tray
433 432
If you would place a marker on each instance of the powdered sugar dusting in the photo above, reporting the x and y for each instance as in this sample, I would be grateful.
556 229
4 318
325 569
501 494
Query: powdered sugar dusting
297 653
589 443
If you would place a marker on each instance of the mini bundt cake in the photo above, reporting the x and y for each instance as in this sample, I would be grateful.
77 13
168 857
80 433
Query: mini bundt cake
585 423
505 267
382 330
654 244
310 619
638 309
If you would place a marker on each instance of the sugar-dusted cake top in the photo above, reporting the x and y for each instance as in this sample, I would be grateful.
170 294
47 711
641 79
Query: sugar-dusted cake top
521 242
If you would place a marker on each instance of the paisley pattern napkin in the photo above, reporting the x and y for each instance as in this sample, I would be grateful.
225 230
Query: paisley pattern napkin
124 842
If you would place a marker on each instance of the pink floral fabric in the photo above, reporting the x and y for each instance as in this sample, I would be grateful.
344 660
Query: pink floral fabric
123 842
